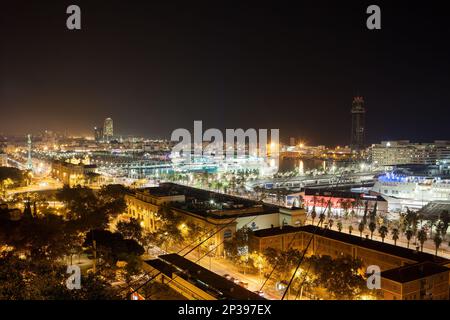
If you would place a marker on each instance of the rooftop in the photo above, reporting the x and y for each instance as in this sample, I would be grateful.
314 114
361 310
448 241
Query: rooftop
398 251
212 204
413 272
161 191
208 281
434 209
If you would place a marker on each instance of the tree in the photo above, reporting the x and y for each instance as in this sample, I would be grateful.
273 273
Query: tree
340 277
383 230
330 223
130 230
339 226
445 219
271 255
112 247
437 241
321 218
422 237
79 200
361 228
372 227
395 233
48 237
409 235
10 177
30 279
313 214
329 209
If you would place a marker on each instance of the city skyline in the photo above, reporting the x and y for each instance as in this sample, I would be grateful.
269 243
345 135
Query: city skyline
268 66
228 151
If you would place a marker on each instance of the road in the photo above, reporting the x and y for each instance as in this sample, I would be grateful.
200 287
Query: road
221 266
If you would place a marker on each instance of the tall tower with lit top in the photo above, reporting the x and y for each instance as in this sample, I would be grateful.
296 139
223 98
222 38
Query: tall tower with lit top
29 161
358 124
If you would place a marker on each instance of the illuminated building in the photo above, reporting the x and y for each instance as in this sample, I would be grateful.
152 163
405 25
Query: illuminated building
29 161
204 209
98 133
108 131
358 124
405 272
389 153
73 174
342 202
422 281
3 160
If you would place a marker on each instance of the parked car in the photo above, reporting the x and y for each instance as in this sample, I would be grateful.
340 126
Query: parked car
227 276
243 284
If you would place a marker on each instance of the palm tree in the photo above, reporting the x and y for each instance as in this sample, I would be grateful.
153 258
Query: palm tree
330 223
329 209
313 214
339 225
321 218
437 241
445 219
372 227
383 230
431 223
422 237
373 213
350 229
395 233
364 219
409 235
361 228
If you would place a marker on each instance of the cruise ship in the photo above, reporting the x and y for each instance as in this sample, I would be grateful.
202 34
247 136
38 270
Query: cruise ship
411 191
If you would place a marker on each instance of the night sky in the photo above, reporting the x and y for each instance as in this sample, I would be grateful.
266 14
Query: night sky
154 66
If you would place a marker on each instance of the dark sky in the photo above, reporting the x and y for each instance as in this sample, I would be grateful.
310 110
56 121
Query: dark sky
154 66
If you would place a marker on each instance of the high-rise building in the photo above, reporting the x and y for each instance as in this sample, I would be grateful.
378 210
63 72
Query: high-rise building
389 153
358 130
98 133
29 160
108 132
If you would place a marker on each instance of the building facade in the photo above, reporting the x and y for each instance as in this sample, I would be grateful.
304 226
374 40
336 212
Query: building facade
3 160
389 258
391 153
108 129
209 212
422 281
73 174
358 112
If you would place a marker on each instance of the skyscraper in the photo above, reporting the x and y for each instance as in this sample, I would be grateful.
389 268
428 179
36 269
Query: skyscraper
358 130
108 132
29 161
98 133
